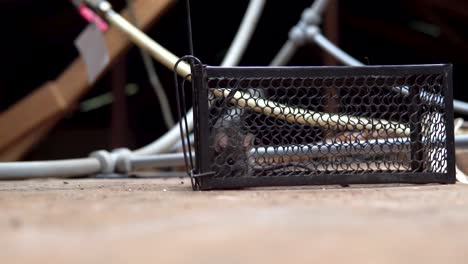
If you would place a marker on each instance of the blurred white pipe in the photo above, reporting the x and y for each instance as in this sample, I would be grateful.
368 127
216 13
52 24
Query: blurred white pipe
333 50
244 34
54 168
285 54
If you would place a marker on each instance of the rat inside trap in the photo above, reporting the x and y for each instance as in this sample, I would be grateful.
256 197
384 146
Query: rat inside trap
283 126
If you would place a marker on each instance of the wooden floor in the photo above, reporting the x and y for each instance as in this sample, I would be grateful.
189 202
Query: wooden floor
163 221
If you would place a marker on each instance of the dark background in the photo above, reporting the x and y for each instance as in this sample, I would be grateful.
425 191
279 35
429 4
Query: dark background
37 44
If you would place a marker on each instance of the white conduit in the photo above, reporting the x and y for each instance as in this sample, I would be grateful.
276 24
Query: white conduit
285 54
374 146
153 77
40 169
244 34
319 6
166 141
158 161
460 107
333 50
161 54
319 150
297 38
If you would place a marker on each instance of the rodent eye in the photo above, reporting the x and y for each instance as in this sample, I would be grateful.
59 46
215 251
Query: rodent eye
230 161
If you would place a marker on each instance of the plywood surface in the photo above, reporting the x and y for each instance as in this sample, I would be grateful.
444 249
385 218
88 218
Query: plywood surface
163 221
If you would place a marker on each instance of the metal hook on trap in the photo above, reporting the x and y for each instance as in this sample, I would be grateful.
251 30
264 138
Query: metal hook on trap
181 108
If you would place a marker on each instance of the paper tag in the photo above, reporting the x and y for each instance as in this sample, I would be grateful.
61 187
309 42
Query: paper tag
92 47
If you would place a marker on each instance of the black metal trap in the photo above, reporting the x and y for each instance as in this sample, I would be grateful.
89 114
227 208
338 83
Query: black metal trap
283 126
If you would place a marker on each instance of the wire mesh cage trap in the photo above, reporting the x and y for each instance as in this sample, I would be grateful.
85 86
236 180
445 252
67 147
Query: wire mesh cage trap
280 126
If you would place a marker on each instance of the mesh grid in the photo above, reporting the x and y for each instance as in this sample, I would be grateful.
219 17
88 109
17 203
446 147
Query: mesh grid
309 122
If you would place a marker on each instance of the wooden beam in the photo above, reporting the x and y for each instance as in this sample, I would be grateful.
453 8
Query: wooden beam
21 147
51 102
29 113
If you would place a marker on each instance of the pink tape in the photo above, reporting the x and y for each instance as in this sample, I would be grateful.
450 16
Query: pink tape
91 17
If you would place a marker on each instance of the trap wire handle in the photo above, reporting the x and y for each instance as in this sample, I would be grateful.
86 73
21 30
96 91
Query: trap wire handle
180 99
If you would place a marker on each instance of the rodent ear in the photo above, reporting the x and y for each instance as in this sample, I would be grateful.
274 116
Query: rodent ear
248 141
221 142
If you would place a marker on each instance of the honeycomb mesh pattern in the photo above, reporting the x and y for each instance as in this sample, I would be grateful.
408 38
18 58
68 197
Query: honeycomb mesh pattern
270 123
